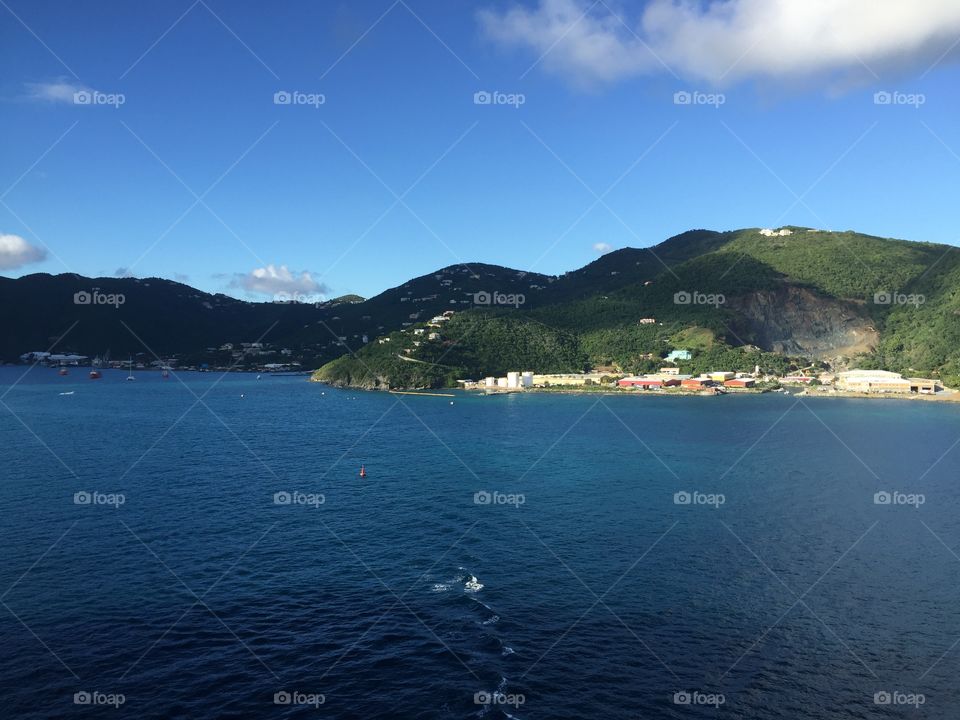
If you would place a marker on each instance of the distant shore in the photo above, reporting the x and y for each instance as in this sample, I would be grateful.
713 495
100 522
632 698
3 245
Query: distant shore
794 391
945 396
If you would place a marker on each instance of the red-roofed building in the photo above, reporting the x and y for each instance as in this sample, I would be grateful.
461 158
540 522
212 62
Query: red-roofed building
642 383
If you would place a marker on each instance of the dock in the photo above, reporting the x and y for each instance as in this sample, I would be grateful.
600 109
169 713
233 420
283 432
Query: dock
413 392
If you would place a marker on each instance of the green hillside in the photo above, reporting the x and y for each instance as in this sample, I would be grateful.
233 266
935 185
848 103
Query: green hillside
761 285
735 299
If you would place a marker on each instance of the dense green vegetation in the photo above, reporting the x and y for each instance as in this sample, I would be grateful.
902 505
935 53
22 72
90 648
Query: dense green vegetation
473 344
586 318
591 318
841 264
924 336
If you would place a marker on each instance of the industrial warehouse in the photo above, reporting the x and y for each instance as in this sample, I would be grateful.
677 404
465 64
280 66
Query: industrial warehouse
882 381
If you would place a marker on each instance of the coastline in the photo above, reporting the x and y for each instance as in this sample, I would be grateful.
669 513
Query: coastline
793 391
939 397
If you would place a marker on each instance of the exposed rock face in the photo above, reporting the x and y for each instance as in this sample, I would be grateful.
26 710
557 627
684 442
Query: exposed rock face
798 321
378 382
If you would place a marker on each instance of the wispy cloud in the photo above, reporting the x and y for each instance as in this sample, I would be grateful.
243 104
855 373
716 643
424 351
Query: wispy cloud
58 91
68 92
278 280
721 41
602 247
15 252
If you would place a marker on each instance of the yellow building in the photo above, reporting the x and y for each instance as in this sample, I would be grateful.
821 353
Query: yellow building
882 381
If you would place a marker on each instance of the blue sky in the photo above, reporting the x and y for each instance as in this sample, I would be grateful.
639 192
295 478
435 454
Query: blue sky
399 171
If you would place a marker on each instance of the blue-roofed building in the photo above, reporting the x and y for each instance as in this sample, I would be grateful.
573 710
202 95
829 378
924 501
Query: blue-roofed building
679 355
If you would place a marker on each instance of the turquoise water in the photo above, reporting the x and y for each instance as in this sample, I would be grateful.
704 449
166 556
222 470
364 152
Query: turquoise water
580 590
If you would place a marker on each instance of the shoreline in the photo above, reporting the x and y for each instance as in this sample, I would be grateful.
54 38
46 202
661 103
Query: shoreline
793 391
221 370
939 397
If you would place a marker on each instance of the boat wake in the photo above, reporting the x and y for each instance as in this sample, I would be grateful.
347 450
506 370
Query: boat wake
478 629
463 579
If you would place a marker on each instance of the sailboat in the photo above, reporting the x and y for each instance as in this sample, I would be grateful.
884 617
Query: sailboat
130 376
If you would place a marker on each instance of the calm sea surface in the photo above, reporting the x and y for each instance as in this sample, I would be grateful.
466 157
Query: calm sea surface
202 547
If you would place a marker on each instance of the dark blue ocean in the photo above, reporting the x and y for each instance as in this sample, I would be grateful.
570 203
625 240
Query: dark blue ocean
202 547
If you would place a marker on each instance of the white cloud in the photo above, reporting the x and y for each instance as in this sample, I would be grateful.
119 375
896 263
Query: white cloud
58 91
122 272
278 280
16 252
602 248
723 41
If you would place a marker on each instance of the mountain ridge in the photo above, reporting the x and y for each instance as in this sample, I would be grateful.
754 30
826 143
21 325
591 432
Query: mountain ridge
802 292
790 291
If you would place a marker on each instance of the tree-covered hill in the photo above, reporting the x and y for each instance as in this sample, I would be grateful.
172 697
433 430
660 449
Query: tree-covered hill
735 299
841 297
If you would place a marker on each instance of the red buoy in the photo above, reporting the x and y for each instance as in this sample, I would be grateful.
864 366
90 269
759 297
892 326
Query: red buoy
363 471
